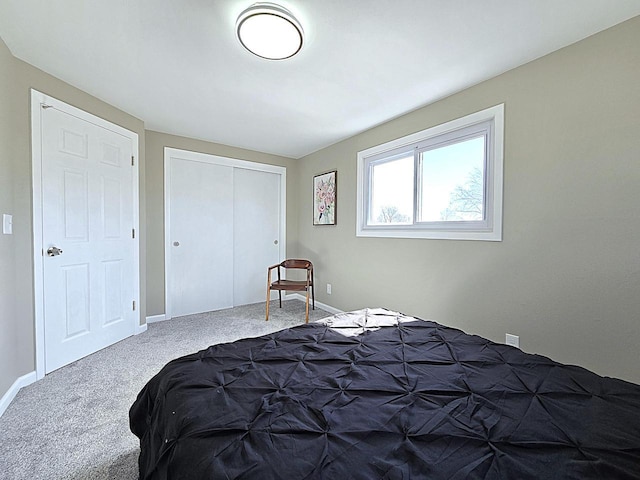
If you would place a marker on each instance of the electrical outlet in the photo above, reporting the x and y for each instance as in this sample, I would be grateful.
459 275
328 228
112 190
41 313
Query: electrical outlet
328 288
513 340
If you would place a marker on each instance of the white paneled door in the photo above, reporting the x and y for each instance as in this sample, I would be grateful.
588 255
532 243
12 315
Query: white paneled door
224 228
88 264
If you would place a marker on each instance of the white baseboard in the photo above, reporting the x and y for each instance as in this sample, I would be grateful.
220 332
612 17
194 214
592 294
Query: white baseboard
290 296
324 306
156 318
8 397
140 329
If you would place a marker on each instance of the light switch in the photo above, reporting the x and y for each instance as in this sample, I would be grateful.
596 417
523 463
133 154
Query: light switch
7 224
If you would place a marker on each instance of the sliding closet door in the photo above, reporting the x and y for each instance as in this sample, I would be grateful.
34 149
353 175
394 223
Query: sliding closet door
256 232
201 237
223 228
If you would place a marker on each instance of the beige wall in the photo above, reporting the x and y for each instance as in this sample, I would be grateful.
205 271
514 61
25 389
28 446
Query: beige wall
17 341
10 333
155 143
566 276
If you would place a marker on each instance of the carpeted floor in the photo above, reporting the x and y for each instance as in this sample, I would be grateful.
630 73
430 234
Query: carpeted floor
74 423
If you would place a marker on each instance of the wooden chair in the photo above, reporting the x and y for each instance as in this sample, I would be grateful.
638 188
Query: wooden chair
292 285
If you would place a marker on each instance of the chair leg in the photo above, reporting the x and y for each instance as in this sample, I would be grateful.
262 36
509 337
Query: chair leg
313 296
268 298
280 297
306 320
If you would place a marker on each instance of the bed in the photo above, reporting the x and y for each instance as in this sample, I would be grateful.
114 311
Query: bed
376 394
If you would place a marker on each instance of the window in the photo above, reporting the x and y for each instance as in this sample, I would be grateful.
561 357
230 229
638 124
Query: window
444 182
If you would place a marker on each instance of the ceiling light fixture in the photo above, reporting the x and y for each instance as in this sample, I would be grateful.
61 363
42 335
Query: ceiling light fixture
269 31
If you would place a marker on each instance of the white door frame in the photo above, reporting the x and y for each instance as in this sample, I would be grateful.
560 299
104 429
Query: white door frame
170 153
38 101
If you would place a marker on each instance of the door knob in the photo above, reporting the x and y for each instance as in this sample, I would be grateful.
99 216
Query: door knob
176 244
275 242
54 251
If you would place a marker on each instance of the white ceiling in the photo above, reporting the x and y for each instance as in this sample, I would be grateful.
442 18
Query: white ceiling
177 65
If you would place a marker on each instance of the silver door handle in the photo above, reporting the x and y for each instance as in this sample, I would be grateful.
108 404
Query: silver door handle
54 251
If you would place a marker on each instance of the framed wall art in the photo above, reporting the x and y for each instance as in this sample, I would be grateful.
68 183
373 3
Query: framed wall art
325 198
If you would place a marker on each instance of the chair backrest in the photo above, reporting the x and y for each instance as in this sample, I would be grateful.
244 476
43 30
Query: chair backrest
297 263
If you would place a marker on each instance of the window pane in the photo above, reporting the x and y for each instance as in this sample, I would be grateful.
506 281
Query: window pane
392 192
452 182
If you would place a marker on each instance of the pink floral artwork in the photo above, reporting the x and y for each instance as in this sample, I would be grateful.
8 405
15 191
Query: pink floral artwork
324 198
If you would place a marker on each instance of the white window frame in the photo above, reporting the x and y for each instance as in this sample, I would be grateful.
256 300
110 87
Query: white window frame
490 120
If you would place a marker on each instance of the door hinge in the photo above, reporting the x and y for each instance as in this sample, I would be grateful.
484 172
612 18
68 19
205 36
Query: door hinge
45 106
132 160
133 233
134 305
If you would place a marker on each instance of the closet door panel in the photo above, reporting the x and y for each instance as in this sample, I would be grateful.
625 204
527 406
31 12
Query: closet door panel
201 237
256 227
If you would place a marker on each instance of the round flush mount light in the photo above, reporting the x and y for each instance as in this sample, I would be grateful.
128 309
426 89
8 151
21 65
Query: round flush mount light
269 31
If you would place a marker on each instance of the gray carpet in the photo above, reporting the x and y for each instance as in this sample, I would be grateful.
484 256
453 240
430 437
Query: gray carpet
74 424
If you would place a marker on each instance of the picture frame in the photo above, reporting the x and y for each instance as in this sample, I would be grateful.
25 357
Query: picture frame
325 198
